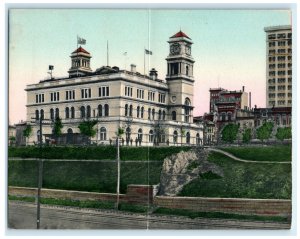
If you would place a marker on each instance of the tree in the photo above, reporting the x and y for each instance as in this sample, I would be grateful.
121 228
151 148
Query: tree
229 133
247 136
87 128
27 132
57 127
120 132
264 132
284 133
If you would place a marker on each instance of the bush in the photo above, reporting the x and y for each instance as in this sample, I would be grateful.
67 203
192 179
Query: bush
284 133
247 136
264 132
95 152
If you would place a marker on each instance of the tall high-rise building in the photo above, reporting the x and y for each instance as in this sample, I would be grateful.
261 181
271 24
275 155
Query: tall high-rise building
279 66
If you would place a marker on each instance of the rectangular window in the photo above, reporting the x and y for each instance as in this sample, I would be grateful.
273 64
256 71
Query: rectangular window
103 91
39 98
70 95
161 98
128 91
86 93
54 96
140 94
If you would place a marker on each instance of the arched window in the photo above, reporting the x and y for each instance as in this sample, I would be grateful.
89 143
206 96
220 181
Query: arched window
142 112
56 113
130 110
149 113
153 114
51 114
88 111
229 114
140 135
106 110
67 112
100 110
164 115
126 110
128 133
82 112
223 116
138 112
175 137
187 70
42 114
197 139
151 136
72 112
187 104
188 138
37 115
173 115
159 115
102 133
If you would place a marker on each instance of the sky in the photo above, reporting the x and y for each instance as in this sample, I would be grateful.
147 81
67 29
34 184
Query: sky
229 46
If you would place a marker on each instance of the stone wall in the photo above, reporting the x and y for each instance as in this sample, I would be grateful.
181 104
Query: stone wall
138 194
263 207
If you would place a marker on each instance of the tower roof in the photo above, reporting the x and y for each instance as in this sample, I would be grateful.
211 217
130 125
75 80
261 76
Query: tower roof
180 34
80 49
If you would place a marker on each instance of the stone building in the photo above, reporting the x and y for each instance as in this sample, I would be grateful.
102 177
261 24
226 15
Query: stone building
150 110
279 66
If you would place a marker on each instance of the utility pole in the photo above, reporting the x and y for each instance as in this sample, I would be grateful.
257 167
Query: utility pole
40 173
118 169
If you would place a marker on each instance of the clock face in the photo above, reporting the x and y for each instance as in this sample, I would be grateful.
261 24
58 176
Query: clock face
188 50
175 49
173 98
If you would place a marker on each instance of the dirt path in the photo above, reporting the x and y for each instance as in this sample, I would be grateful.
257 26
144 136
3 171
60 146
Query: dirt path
243 160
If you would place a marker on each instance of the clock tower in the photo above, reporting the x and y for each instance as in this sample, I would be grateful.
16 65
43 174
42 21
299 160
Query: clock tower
180 78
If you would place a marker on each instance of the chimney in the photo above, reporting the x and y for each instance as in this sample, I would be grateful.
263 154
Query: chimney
153 74
243 88
133 68
250 100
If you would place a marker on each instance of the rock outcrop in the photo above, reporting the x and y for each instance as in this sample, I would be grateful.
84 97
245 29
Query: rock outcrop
181 168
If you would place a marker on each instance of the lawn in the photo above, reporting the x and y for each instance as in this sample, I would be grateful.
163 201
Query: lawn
264 153
243 180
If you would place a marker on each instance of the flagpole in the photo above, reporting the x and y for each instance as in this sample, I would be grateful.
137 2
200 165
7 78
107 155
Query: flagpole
77 61
107 62
144 61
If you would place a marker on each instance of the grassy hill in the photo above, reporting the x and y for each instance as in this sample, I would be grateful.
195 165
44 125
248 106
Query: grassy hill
242 180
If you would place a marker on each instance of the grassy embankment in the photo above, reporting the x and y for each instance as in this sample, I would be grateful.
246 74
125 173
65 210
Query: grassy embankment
241 180
271 153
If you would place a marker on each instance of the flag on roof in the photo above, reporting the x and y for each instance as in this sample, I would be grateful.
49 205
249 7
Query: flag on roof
81 41
148 52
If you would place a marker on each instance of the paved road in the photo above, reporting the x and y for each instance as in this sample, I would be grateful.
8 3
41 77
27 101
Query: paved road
23 216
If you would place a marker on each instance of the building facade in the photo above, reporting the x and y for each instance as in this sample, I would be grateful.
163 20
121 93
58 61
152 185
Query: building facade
278 66
151 111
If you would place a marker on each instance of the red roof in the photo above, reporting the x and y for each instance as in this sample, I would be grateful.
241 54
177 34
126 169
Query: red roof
80 49
180 34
